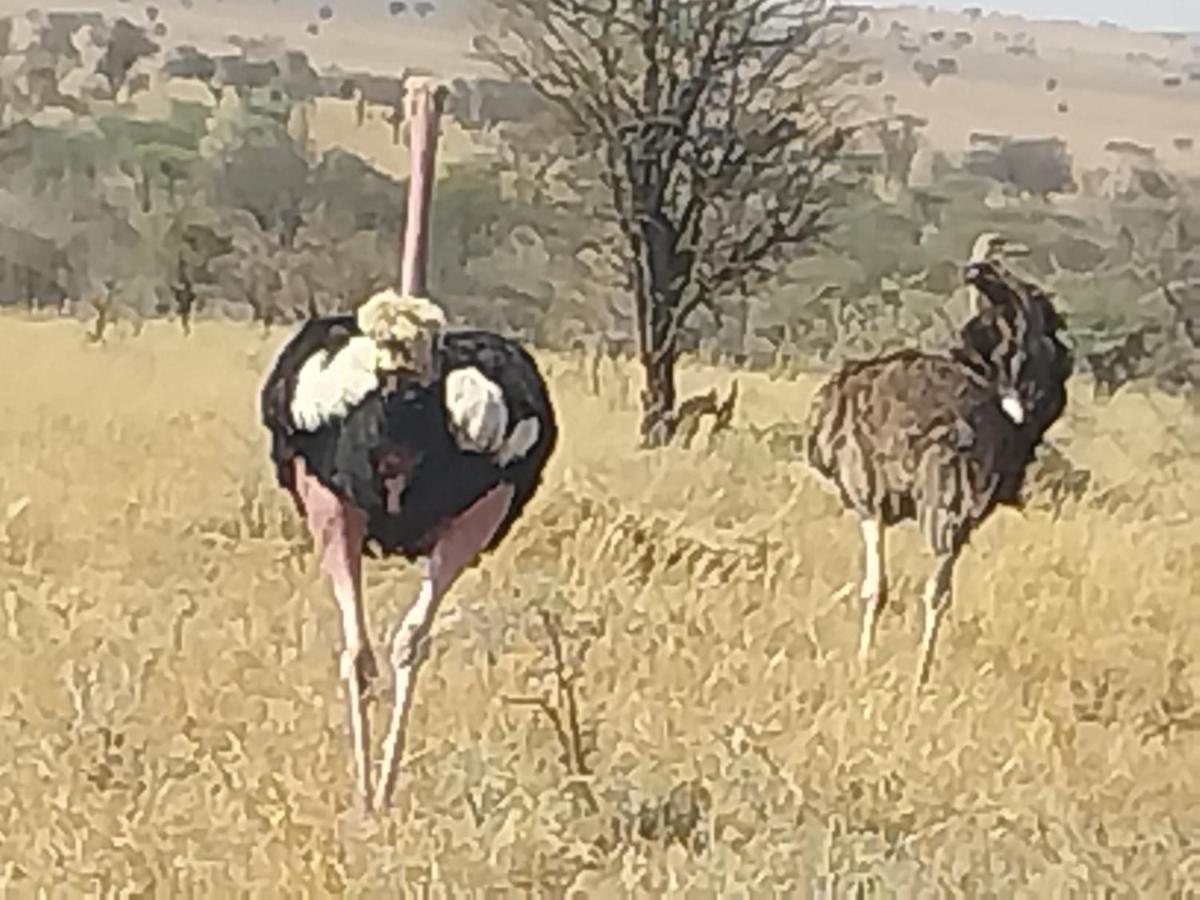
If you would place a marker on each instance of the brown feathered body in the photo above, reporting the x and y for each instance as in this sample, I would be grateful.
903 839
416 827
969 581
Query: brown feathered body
915 435
942 438
925 436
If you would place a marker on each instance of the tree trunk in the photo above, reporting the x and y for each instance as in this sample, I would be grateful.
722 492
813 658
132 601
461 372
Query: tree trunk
658 344
658 397
143 188
658 350
396 119
185 297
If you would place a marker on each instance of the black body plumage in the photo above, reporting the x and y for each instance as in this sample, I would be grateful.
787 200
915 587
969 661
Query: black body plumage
405 429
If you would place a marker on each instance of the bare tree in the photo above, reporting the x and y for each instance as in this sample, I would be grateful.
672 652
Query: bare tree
715 124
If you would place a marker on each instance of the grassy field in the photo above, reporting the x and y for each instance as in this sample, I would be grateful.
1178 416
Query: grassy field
173 722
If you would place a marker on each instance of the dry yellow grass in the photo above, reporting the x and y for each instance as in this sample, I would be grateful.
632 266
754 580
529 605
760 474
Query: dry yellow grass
172 717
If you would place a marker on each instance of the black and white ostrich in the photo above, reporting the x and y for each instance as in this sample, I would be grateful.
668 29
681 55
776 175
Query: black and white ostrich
942 438
395 436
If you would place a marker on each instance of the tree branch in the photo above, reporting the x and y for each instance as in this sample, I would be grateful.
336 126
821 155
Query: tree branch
717 126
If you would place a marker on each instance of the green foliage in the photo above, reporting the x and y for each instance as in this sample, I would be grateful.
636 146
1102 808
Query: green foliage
210 208
257 168
149 132
469 212
349 190
227 208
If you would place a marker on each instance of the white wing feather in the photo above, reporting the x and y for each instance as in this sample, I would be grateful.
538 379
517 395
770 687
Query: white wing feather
477 412
329 386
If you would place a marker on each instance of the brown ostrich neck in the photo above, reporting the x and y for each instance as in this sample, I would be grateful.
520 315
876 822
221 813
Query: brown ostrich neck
424 110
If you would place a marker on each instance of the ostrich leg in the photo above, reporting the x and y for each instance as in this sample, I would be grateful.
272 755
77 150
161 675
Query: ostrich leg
458 546
937 598
337 528
874 583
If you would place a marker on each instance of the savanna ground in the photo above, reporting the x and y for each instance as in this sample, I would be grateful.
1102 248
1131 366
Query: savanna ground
173 721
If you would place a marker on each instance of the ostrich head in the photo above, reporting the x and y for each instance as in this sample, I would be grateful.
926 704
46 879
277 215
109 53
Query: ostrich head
405 331
994 248
1015 334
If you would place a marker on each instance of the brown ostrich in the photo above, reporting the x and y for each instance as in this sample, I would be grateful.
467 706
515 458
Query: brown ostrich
943 439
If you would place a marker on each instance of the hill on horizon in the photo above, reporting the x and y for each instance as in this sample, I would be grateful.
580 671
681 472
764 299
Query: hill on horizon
964 73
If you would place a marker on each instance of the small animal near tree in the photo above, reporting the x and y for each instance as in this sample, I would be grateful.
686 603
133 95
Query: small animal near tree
393 433
943 439
715 126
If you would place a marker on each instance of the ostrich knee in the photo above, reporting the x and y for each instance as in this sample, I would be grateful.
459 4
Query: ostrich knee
874 584
410 643
359 669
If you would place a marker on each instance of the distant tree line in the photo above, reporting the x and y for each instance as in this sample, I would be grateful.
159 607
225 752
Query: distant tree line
226 210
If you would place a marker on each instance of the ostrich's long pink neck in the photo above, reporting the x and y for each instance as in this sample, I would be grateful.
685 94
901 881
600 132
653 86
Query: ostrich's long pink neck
424 109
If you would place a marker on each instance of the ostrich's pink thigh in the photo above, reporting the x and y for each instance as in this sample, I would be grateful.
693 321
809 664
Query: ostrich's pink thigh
466 536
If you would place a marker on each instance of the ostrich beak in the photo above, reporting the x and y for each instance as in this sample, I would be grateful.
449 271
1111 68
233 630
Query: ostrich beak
1015 249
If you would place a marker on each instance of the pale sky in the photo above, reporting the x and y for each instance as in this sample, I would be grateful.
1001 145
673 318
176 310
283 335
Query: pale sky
1150 15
